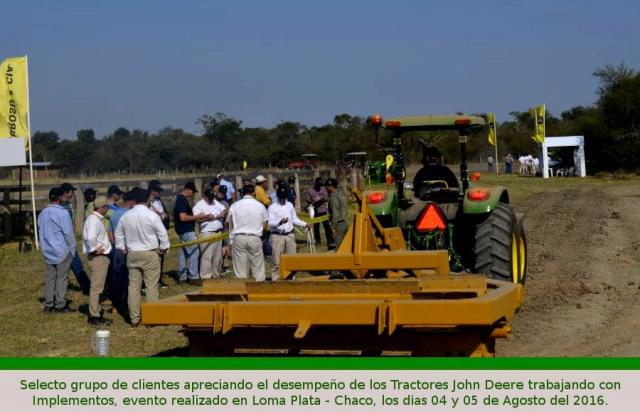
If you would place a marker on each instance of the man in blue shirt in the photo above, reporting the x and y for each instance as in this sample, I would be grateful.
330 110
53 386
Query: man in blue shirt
119 281
67 192
185 226
231 192
58 247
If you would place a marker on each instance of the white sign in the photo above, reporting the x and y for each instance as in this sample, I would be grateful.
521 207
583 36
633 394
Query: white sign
12 152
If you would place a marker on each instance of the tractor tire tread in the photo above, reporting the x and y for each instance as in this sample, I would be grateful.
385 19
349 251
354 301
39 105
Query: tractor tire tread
493 239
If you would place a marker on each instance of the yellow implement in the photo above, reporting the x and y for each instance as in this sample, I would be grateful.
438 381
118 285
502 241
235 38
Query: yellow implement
396 301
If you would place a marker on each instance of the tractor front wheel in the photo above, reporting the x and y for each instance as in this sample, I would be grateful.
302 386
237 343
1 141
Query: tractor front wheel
498 249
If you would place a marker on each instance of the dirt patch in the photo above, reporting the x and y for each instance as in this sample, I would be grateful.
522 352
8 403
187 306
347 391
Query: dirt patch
582 295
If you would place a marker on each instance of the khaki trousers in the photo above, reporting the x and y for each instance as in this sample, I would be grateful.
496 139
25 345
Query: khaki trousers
99 265
142 265
281 244
248 258
210 258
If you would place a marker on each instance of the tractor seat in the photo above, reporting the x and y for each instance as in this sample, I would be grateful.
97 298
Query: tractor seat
434 176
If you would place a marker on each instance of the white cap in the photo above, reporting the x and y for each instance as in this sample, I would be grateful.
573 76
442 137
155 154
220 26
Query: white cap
103 333
260 179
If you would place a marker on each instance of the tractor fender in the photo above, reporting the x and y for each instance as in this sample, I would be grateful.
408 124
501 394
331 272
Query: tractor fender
497 194
385 206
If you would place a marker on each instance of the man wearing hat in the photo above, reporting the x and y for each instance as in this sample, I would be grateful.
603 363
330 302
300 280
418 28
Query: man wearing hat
142 236
97 247
282 217
67 193
246 221
261 191
262 196
185 225
58 246
210 253
337 211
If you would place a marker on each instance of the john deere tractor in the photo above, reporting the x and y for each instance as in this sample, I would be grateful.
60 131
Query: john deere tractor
436 211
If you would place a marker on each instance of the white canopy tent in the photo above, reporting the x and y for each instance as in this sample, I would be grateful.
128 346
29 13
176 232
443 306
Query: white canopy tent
564 141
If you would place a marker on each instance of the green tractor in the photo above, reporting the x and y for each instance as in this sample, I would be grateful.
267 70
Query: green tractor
474 223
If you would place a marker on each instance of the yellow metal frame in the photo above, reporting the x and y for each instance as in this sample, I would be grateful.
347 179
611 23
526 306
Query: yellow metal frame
369 250
399 300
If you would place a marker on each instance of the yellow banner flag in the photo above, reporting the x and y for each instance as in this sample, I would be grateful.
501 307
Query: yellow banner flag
538 116
14 99
491 120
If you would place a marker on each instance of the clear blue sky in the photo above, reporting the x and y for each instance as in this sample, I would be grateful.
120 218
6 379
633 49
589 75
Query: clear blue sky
150 64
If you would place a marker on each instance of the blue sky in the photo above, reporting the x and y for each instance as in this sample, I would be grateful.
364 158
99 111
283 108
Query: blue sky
150 64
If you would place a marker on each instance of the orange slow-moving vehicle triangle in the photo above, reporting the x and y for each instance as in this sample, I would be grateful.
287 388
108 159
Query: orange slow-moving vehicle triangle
430 219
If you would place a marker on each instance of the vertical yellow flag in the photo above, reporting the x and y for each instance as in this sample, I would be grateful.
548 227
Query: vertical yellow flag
538 116
491 120
14 98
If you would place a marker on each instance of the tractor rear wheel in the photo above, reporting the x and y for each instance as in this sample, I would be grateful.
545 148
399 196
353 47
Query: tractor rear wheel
522 254
497 245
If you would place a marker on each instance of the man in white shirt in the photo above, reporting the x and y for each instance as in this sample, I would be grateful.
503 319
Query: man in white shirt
142 236
210 253
282 217
246 221
96 245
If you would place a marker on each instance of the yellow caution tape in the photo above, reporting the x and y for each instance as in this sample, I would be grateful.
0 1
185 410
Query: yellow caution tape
222 236
209 239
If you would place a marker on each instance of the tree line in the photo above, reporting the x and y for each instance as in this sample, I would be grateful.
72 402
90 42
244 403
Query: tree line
611 127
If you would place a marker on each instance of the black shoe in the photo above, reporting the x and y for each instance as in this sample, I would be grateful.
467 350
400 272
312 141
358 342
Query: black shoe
65 309
95 321
162 285
49 310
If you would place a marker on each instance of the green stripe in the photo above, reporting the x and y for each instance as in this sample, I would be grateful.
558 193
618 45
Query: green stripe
318 363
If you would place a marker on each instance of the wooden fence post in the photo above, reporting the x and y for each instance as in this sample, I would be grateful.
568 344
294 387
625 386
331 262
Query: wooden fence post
269 181
79 216
296 188
238 187
200 187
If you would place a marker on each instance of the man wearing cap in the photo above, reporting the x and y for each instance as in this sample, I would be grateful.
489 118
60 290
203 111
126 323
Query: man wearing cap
246 220
67 190
210 253
89 196
231 192
261 191
119 272
337 211
317 197
155 201
185 225
97 247
142 236
282 217
58 246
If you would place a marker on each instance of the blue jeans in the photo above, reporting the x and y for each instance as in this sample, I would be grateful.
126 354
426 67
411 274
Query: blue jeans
119 278
190 255
81 275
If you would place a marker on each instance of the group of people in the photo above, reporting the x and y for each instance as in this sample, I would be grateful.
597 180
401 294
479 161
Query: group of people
125 237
